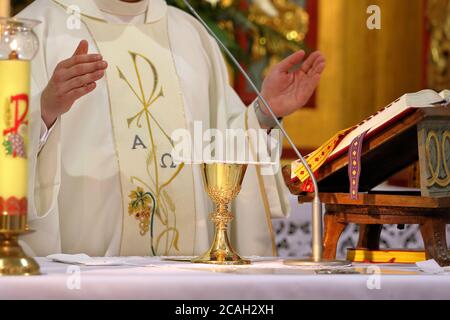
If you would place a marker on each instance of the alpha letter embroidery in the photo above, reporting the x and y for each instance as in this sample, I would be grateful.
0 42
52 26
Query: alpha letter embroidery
138 142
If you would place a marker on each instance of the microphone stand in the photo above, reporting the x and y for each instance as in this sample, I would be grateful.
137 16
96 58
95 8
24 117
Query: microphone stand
317 248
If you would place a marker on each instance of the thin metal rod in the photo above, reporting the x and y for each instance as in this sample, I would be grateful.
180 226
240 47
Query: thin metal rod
317 206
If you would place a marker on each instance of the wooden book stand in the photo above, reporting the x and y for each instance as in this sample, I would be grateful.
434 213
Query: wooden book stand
423 135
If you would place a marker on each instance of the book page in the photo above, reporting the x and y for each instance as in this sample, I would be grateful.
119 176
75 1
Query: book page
424 98
445 94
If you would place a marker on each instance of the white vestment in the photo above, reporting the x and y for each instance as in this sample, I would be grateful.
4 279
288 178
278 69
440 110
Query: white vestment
75 202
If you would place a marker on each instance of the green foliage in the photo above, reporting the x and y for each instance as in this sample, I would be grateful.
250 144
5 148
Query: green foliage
214 15
225 20
8 147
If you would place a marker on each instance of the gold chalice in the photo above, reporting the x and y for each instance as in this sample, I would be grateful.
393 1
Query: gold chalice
222 182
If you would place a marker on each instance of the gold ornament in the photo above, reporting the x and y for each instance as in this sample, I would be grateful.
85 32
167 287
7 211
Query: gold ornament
439 64
292 22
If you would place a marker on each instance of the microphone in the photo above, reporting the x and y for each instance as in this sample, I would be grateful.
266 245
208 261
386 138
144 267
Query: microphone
317 223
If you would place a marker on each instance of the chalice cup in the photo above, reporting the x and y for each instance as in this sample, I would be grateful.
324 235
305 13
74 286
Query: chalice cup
222 182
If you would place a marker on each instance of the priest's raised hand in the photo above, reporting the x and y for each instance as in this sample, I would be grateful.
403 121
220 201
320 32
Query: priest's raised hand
72 79
287 88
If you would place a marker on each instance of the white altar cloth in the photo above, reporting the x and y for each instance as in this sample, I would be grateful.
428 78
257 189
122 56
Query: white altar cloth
153 278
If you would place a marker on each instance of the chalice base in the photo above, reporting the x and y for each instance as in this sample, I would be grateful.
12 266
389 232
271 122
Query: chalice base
221 252
13 260
230 258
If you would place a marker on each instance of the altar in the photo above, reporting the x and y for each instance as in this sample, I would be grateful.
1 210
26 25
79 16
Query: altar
265 279
98 180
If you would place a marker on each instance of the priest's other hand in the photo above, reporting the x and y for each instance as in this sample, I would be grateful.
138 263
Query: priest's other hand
72 79
287 89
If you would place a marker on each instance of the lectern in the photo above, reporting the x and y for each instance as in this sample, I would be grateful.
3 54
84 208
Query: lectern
423 135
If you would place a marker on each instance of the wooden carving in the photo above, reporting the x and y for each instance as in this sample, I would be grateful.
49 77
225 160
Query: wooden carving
434 157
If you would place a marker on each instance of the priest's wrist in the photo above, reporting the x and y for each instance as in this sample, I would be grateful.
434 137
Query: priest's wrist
47 116
266 121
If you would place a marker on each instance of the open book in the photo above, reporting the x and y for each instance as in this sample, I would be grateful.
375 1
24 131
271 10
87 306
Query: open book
386 116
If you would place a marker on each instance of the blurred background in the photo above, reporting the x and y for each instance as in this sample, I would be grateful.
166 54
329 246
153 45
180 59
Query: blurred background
366 70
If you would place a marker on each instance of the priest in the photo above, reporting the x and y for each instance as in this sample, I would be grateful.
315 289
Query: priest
112 80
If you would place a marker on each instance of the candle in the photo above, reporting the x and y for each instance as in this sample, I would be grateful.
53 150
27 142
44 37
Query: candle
14 107
5 8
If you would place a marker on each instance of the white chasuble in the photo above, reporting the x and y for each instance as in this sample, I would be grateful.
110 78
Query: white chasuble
146 106
85 175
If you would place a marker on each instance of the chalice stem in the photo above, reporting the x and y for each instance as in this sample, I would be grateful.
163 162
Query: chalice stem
221 251
221 218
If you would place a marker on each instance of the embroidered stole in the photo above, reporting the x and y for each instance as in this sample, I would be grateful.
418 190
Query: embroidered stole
146 106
